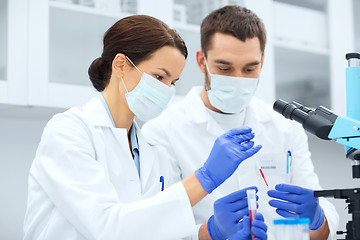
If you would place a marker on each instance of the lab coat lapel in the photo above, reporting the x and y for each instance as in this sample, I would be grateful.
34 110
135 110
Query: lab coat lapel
121 136
146 158
97 114
197 112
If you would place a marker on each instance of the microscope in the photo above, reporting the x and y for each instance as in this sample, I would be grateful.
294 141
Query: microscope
326 125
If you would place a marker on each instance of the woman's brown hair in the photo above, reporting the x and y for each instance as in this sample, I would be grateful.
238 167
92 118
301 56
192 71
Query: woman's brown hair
137 37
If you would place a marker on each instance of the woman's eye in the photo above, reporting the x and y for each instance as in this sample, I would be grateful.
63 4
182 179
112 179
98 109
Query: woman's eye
158 77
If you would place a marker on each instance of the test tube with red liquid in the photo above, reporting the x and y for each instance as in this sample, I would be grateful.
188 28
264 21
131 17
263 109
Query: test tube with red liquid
251 198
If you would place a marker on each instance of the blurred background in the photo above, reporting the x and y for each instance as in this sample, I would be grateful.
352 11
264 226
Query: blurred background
46 47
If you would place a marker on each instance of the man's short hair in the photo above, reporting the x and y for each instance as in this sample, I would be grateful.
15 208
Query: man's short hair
234 20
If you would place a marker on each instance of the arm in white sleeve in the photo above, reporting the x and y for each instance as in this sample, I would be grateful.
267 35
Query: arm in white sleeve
77 184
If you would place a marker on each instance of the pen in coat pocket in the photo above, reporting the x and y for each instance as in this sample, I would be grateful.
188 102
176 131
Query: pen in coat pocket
288 161
162 183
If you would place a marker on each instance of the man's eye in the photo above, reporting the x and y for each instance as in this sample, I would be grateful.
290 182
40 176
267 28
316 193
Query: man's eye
250 69
158 77
224 69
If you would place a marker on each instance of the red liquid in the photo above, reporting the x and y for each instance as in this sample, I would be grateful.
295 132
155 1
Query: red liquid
252 217
263 176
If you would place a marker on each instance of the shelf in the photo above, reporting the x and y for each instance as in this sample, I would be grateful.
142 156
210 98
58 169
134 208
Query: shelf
3 91
86 9
73 45
299 26
77 95
28 112
319 5
294 45
302 76
193 12
187 27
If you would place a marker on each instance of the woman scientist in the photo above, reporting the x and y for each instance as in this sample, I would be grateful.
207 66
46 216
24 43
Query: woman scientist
95 177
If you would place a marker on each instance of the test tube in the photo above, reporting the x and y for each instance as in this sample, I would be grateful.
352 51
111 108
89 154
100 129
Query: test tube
251 198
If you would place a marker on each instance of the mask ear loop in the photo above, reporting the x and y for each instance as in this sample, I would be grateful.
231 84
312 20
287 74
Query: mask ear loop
124 85
136 69
207 68
134 65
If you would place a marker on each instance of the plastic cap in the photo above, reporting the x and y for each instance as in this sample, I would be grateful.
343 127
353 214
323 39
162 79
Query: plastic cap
291 221
352 55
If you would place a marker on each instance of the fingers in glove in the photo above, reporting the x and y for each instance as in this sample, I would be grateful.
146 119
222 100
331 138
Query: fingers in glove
286 214
260 225
259 216
237 195
238 131
253 150
292 189
242 138
288 206
259 232
290 197
246 145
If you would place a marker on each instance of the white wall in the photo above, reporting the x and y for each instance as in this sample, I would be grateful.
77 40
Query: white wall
18 142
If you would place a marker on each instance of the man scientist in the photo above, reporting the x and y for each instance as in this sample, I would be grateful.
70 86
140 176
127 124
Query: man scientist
233 42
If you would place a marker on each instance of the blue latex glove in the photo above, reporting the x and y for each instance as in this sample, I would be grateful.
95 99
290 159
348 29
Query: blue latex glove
228 211
299 202
229 150
259 228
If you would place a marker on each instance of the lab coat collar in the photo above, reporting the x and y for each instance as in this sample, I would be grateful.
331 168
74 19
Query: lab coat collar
96 113
196 110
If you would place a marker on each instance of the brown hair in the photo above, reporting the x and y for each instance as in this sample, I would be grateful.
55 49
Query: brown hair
237 21
137 37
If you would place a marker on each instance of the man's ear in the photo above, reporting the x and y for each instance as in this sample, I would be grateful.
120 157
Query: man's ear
262 60
119 65
200 58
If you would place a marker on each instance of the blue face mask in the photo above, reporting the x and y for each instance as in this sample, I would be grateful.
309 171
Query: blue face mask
149 98
230 94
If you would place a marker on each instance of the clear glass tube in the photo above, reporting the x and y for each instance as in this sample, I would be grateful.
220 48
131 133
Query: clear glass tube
251 198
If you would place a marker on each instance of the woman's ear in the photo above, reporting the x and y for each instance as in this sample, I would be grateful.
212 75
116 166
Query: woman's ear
200 60
119 65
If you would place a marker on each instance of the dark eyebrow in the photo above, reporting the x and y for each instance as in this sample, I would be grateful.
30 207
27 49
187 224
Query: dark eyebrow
229 63
252 64
223 62
167 73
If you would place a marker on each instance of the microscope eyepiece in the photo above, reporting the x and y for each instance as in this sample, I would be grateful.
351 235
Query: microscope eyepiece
318 122
352 55
291 111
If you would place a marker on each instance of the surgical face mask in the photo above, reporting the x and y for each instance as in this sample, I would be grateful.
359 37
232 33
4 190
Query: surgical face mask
230 94
149 98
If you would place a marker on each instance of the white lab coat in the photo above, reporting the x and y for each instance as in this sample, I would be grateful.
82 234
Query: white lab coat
188 132
83 184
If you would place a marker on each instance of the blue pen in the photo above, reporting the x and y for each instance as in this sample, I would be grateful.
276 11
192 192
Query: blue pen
288 159
162 183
